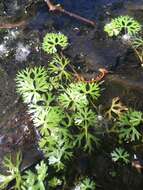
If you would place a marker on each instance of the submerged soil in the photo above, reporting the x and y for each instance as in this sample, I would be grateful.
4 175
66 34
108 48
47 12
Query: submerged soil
89 50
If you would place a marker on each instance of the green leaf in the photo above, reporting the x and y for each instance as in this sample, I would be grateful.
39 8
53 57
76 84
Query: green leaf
72 98
58 69
35 180
31 83
52 41
120 24
120 154
129 125
86 121
86 184
13 170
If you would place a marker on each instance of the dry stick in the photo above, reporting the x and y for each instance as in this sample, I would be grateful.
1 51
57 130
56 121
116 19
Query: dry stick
60 9
13 25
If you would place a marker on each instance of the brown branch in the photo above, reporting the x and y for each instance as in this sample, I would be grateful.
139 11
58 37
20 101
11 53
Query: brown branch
58 8
13 25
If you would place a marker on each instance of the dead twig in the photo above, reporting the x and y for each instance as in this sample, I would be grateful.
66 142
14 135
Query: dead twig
13 25
58 8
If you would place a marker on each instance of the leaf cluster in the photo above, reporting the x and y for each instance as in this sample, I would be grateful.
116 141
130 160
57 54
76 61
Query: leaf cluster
129 124
116 109
120 24
32 83
13 172
86 184
35 180
120 154
60 109
52 41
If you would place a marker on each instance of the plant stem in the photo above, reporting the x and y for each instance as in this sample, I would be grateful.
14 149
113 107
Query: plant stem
13 25
58 8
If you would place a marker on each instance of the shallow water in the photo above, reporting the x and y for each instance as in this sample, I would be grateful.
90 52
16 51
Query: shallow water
89 50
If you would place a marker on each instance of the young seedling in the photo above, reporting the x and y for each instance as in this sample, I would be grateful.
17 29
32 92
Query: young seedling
31 83
13 170
53 41
120 154
86 184
125 24
128 125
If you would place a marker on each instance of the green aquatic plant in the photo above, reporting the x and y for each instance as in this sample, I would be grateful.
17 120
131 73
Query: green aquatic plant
54 182
41 106
35 180
31 83
72 98
57 149
112 29
86 120
129 124
77 95
137 42
52 41
88 89
120 154
120 24
137 45
86 184
58 68
13 172
48 119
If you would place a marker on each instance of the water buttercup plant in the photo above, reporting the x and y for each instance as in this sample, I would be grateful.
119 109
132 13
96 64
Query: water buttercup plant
120 154
65 114
35 180
77 95
86 184
13 170
32 83
129 125
53 41
124 24
137 45
57 69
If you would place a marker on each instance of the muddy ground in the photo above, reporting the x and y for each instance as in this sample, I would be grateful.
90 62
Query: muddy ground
89 50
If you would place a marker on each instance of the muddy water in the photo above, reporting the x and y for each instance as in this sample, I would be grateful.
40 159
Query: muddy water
89 50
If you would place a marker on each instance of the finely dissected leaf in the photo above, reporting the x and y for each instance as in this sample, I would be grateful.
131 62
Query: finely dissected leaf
57 150
131 134
120 24
35 180
54 182
116 109
58 69
13 170
137 42
72 98
52 41
91 89
128 125
31 83
48 119
41 106
86 184
85 117
120 154
86 120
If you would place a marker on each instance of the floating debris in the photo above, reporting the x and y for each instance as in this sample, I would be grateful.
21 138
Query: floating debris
3 50
22 52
